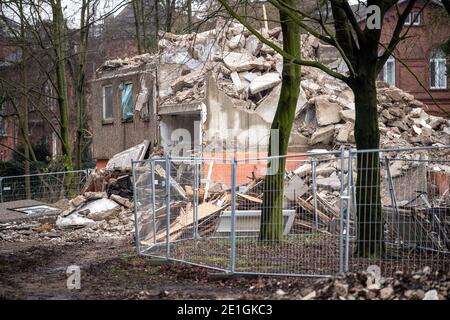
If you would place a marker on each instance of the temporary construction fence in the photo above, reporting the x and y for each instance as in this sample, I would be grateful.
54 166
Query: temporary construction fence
46 187
339 211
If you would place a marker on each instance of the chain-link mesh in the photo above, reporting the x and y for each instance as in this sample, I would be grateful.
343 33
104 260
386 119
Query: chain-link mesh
311 214
45 187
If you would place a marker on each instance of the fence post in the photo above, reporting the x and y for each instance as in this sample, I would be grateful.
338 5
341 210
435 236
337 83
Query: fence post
343 210
1 189
196 183
167 207
152 168
233 217
314 186
348 206
136 222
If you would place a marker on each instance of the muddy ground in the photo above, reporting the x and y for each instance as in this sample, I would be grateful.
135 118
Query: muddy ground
112 270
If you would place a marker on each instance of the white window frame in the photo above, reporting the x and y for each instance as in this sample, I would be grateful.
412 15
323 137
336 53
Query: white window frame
408 19
437 61
391 60
415 18
104 118
54 145
411 19
3 126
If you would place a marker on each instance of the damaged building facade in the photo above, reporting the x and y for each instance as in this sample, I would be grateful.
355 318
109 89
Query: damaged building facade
216 92
192 98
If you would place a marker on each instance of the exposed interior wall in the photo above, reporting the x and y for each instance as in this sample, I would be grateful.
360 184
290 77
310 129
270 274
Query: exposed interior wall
225 124
176 128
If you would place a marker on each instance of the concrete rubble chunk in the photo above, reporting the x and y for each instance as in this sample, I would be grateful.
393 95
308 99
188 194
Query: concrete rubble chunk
121 200
101 209
186 81
264 82
332 182
295 188
322 135
238 41
344 133
77 201
253 45
239 62
327 112
348 115
74 221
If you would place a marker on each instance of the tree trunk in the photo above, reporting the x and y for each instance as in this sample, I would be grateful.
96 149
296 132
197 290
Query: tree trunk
80 81
189 14
136 14
370 233
60 46
272 212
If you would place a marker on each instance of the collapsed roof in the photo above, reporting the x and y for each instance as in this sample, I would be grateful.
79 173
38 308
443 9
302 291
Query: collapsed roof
249 73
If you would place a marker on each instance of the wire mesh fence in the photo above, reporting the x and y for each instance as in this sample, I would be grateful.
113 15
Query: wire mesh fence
46 187
312 214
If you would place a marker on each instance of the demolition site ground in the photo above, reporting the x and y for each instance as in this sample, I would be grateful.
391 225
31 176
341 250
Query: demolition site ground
112 270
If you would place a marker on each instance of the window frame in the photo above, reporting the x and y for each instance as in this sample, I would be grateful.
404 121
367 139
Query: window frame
106 120
3 128
435 61
417 20
122 86
414 18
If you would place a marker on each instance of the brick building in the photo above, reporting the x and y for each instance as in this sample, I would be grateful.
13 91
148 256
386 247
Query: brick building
421 52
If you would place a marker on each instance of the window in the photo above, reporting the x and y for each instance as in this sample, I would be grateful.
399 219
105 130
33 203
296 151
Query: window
48 88
127 101
388 73
438 70
108 114
3 126
54 145
414 18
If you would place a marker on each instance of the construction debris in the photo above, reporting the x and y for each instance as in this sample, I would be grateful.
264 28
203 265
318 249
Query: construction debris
249 73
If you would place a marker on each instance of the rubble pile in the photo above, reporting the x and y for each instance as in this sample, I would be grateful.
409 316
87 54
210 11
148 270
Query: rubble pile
249 72
421 285
328 118
90 216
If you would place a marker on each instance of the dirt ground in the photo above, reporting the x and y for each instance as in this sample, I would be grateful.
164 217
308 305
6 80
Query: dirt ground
112 270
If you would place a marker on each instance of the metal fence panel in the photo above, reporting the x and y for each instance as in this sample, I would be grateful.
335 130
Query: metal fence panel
46 187
339 211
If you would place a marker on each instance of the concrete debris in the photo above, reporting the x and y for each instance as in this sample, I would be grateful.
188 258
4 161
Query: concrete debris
326 112
250 72
264 82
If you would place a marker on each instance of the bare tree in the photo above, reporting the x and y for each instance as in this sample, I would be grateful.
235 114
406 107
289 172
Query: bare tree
359 47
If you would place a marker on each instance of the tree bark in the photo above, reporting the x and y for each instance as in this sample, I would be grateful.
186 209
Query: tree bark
370 227
59 38
80 82
272 212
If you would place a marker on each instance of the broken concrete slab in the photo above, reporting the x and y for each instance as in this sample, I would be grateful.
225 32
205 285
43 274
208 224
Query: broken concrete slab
253 45
101 209
74 221
239 62
295 188
122 201
264 82
322 135
77 201
122 160
332 182
348 115
344 132
326 112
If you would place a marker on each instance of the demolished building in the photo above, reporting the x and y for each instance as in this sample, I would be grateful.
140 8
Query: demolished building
220 88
